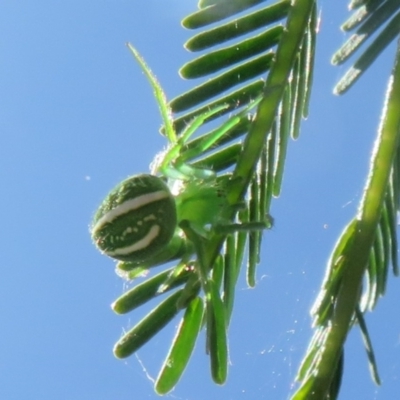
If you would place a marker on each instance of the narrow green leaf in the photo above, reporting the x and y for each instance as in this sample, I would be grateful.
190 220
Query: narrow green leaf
149 289
297 92
282 141
241 240
235 99
392 225
303 392
386 235
217 274
368 347
263 181
371 25
369 56
270 160
323 308
226 57
395 182
334 274
216 335
230 275
145 329
254 236
357 18
302 77
216 11
239 26
358 3
382 261
309 370
309 59
310 359
371 294
182 347
223 82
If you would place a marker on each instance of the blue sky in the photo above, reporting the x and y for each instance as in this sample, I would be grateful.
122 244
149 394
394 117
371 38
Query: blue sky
76 117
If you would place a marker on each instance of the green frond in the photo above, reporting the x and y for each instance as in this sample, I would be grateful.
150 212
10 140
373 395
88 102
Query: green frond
182 347
263 82
363 253
370 17
256 55
253 64
357 271
282 92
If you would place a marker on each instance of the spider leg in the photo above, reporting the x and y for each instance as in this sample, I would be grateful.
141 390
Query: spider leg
173 153
159 94
176 160
207 141
186 172
216 317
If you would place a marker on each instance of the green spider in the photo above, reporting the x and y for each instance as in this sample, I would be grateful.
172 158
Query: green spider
179 211
139 219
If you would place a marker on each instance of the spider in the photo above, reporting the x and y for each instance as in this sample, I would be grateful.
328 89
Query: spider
139 220
173 213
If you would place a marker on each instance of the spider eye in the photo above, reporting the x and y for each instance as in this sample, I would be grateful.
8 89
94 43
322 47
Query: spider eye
136 220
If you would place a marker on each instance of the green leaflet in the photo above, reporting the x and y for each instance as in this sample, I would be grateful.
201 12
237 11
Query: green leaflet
216 10
149 326
181 348
149 289
222 58
216 335
237 27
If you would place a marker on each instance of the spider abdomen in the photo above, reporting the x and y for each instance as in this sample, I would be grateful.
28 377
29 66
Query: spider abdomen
136 220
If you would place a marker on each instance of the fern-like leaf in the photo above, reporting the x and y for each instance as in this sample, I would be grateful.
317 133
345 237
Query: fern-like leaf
369 17
264 82
365 250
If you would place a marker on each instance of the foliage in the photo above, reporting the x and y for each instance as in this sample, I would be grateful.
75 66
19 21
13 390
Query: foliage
271 72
